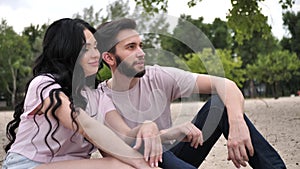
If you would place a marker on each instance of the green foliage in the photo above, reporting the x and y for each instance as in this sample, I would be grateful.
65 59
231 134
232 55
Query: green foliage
250 48
151 28
278 67
190 34
246 34
220 34
218 63
274 67
244 18
33 33
232 67
90 16
15 61
104 73
292 21
118 9
155 6
115 10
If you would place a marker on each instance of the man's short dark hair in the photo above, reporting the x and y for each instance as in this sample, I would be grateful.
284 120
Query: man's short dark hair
108 31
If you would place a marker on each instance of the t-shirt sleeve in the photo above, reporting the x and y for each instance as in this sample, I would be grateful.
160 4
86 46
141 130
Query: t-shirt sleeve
39 84
105 105
182 82
98 103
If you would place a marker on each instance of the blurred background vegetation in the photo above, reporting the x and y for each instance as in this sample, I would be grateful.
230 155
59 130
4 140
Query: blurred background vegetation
261 64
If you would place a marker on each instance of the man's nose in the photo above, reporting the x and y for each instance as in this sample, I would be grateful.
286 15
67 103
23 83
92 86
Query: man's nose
140 53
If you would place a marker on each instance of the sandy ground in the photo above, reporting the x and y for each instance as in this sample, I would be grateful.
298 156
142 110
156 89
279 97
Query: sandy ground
277 120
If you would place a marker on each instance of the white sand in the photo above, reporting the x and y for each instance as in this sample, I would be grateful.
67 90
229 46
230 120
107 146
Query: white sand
278 121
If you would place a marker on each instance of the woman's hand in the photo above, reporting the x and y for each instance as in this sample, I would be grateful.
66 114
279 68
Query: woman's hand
186 132
149 135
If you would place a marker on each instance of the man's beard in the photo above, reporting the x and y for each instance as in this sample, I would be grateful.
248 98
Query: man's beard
127 70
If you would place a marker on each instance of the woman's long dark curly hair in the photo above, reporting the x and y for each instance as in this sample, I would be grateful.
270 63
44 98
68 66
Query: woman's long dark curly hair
63 45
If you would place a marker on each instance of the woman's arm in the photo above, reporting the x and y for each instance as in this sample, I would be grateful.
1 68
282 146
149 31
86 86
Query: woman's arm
109 142
147 133
97 133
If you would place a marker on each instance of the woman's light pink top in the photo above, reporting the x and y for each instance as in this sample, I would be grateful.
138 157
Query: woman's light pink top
30 138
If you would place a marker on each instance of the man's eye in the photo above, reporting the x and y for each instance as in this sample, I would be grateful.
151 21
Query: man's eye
131 46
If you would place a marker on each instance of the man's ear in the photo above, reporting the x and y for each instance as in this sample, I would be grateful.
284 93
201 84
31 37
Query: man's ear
108 58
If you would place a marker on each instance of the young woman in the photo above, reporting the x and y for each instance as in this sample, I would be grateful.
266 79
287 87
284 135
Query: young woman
57 123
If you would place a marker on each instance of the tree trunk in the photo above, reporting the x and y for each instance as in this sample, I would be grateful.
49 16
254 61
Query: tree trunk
14 83
276 90
252 89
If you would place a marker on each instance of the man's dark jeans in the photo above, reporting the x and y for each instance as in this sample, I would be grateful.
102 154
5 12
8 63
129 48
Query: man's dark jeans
212 120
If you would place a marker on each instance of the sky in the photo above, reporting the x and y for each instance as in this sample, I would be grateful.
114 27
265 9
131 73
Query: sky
21 13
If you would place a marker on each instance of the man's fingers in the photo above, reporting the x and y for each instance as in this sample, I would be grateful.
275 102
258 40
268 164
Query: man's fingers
200 140
244 154
231 156
249 147
200 137
196 134
238 155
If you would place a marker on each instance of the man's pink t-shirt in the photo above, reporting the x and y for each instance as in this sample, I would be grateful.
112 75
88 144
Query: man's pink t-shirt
151 97
30 138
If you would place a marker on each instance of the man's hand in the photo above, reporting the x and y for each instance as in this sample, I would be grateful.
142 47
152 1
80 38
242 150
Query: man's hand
149 134
186 132
239 142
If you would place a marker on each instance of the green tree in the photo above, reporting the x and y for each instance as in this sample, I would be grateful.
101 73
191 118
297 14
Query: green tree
220 35
273 68
33 33
90 16
115 10
250 49
188 36
15 61
292 21
152 28
184 41
244 18
221 63
104 73
118 9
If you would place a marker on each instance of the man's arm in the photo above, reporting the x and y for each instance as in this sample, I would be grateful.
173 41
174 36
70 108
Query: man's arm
147 133
239 138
